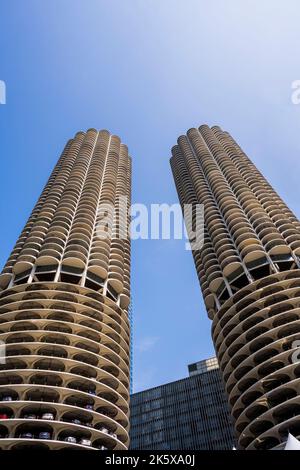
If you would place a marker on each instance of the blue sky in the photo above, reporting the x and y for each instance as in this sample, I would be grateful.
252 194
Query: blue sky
148 70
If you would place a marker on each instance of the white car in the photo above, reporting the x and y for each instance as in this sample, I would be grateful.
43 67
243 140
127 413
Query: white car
7 398
49 416
30 416
70 439
85 442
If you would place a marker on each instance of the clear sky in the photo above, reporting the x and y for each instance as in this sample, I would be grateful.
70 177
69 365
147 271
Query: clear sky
148 70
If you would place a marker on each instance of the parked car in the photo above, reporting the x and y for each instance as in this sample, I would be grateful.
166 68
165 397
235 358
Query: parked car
102 448
89 407
3 416
30 416
49 416
76 421
7 398
44 435
26 435
113 434
85 442
70 439
105 430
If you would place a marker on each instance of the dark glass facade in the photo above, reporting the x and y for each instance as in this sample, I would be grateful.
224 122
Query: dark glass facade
191 413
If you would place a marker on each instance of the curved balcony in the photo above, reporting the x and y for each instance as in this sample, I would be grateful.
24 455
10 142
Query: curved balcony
70 346
254 338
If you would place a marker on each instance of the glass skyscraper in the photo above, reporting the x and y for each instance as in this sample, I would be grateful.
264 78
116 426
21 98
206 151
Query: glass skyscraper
189 414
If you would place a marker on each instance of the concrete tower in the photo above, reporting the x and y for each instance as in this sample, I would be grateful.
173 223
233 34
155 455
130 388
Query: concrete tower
250 278
65 291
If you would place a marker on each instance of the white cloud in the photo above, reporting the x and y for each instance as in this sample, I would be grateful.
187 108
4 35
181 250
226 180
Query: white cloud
147 343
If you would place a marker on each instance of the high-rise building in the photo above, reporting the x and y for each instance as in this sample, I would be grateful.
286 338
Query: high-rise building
189 414
203 366
65 293
249 270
